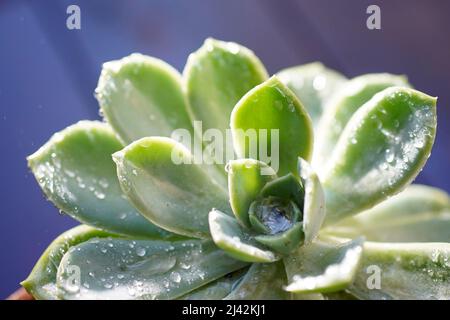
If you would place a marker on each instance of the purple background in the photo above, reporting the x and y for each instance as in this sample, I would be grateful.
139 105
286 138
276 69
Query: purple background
48 74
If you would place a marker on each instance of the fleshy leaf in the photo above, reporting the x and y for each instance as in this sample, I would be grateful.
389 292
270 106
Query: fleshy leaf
217 289
162 181
418 214
287 186
76 172
269 112
352 95
383 148
128 269
231 237
314 201
410 271
263 281
246 178
41 283
323 267
284 242
313 84
141 96
216 76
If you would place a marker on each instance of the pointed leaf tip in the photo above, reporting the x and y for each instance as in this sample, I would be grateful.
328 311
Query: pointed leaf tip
314 84
216 76
142 96
76 172
342 105
271 121
382 149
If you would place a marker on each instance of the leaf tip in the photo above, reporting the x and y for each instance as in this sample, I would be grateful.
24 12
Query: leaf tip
118 157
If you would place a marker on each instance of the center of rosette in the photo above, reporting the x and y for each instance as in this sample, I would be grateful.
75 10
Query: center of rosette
273 215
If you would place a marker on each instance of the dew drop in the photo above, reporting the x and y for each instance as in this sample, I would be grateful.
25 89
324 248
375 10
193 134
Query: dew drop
140 251
233 48
319 82
175 277
108 285
71 174
278 105
103 183
185 266
419 143
389 156
131 291
122 216
100 195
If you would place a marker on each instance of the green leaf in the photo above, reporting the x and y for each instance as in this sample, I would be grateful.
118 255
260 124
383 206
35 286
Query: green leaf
216 76
314 201
383 148
313 84
285 187
246 178
284 242
162 181
217 289
230 236
410 271
418 214
76 172
263 281
41 283
270 123
141 96
323 266
128 269
352 95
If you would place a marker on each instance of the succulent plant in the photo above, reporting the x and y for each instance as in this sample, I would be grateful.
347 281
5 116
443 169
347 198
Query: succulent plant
287 219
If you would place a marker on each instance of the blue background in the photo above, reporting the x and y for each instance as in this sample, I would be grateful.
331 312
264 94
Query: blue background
48 75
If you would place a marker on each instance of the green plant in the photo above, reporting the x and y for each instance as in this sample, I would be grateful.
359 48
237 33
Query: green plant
312 228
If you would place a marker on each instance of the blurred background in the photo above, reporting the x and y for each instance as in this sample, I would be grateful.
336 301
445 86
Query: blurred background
48 74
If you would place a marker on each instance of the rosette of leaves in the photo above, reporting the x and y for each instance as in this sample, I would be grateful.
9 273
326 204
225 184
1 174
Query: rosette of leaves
311 226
